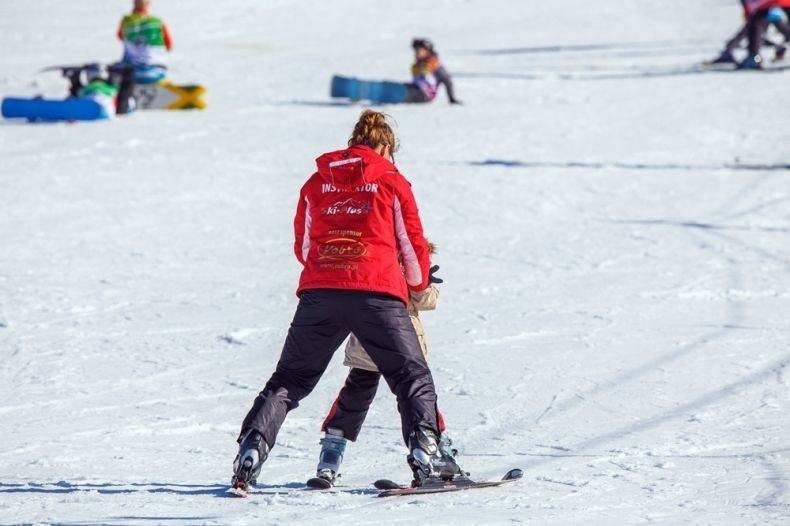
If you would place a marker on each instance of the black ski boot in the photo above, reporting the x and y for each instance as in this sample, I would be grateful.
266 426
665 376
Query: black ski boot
432 461
752 62
726 57
253 451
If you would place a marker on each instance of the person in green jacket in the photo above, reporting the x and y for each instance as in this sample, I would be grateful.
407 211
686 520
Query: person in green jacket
146 41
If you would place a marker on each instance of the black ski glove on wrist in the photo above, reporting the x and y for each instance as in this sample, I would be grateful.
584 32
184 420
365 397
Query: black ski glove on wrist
432 278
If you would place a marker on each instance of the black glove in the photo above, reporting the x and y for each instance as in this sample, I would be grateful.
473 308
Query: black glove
431 277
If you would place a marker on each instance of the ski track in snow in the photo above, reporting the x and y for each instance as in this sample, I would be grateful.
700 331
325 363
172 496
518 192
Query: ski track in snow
612 226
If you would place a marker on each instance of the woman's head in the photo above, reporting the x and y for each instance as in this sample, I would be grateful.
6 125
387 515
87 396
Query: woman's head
373 130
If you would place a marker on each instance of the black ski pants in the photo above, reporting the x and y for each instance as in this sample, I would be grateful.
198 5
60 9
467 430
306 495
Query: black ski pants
323 319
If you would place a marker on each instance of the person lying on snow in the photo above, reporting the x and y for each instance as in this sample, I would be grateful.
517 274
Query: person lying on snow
112 91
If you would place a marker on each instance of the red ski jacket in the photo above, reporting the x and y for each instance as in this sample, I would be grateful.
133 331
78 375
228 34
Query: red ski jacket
357 227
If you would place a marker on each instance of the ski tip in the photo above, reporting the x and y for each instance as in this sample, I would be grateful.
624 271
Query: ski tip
237 492
386 484
319 483
513 474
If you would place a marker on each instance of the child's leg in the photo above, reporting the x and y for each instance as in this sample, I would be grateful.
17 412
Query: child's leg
351 406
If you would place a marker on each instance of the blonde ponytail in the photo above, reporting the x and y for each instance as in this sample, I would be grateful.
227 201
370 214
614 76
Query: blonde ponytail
372 129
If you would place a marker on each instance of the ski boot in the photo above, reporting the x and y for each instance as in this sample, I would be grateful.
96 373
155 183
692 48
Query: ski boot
446 446
726 57
751 62
333 448
431 460
780 53
253 451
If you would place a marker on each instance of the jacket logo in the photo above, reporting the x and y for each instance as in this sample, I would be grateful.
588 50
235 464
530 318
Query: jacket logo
341 248
349 207
367 187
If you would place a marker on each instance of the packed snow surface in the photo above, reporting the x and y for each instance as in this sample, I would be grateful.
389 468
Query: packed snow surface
613 228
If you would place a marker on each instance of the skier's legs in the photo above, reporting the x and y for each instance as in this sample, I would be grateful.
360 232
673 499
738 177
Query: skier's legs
351 406
387 334
755 29
316 332
126 90
735 42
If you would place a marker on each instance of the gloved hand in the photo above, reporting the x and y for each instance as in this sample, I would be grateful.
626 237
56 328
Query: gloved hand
432 278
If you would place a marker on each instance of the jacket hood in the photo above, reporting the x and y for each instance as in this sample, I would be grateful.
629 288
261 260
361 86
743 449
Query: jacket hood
353 166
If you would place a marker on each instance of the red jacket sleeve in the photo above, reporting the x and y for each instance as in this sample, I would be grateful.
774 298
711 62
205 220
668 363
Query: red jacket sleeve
168 39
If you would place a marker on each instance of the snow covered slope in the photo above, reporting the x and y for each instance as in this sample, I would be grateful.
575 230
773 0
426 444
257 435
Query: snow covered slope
613 234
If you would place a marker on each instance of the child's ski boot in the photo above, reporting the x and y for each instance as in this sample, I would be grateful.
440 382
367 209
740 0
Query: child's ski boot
333 447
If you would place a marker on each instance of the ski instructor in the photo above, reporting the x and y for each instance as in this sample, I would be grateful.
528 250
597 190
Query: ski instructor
355 217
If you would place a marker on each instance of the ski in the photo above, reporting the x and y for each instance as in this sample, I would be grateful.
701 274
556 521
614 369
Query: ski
388 487
238 490
385 484
393 489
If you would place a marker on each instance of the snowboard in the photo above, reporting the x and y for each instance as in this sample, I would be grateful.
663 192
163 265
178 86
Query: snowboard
168 96
377 92
150 91
52 110
143 73
393 489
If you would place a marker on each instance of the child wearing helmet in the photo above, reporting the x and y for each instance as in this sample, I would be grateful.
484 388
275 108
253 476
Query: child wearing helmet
428 74
760 14
775 16
350 408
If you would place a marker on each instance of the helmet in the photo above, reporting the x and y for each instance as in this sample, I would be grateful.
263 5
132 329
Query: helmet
776 15
422 43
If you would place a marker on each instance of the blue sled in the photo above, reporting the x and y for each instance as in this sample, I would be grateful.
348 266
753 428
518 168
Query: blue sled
377 92
52 110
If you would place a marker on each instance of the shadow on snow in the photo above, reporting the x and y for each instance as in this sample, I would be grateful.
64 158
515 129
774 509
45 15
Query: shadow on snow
510 163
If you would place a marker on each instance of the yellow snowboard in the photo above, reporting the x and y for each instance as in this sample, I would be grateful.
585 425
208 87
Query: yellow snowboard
168 96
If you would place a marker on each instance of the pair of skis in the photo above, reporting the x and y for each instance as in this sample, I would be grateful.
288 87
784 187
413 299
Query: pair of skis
390 488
